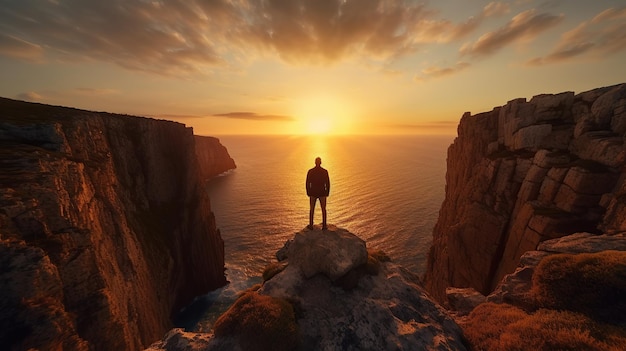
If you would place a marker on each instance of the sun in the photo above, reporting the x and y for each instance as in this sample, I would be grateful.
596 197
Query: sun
322 115
321 125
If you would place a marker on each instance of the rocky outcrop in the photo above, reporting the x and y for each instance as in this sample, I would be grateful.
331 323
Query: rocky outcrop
342 297
106 229
515 287
524 173
567 294
212 156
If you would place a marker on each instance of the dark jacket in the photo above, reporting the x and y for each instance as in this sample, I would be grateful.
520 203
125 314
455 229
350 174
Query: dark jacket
317 182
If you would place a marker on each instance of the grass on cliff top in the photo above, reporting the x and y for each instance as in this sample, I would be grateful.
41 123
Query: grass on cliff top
260 322
592 284
502 327
582 301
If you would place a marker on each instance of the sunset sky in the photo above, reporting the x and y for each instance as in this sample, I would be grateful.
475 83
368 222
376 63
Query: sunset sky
306 66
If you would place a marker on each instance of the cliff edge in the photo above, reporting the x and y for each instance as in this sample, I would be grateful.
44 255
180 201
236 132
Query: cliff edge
524 173
329 292
213 158
106 228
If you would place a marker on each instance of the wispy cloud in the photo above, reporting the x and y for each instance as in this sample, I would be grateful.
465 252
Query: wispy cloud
254 116
29 96
445 126
438 72
524 26
15 47
604 34
190 38
95 91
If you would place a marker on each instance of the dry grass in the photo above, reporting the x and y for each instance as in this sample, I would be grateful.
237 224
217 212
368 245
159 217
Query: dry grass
487 323
374 259
260 322
501 327
592 284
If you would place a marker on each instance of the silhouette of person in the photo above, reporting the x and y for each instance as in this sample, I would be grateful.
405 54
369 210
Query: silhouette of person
317 187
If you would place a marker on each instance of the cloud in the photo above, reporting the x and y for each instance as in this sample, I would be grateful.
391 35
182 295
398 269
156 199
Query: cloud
254 116
191 38
445 31
442 126
524 26
95 91
496 9
29 96
438 72
20 49
605 34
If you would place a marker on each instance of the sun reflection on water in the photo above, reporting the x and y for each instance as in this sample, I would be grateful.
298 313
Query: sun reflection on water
386 190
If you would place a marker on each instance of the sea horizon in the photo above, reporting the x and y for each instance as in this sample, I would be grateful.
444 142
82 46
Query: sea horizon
385 189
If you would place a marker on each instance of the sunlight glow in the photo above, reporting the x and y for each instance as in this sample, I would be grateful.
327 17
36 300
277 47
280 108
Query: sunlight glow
319 125
322 115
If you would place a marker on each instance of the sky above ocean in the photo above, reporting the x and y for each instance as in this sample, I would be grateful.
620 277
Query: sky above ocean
303 66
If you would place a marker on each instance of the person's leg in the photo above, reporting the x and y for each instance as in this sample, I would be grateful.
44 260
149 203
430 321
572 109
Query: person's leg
312 200
323 205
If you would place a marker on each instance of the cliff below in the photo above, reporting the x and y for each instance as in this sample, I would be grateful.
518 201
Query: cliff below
328 292
106 228
525 173
213 158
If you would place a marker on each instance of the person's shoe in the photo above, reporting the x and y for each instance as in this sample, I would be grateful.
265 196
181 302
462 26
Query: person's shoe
310 227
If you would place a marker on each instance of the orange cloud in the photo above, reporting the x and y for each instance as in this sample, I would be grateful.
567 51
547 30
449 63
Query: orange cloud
437 72
526 25
14 47
254 116
602 35
29 96
190 38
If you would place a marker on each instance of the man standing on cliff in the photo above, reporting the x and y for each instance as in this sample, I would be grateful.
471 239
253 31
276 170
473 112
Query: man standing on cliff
317 187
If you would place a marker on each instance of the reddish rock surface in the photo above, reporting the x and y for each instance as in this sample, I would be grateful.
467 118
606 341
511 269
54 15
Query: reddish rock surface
524 173
106 229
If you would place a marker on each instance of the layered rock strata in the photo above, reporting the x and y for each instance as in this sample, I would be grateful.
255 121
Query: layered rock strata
524 173
344 298
106 228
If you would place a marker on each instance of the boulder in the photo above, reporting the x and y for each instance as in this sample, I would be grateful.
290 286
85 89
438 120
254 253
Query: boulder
463 300
366 303
332 252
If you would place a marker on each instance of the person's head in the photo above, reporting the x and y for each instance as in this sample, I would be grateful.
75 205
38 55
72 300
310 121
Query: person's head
318 161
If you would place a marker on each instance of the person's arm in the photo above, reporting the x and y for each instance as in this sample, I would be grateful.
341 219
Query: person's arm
327 184
307 183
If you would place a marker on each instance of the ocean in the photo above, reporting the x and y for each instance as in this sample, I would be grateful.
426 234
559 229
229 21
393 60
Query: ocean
385 189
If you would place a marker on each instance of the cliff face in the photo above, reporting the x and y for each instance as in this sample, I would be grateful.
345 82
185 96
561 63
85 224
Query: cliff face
106 229
524 173
212 156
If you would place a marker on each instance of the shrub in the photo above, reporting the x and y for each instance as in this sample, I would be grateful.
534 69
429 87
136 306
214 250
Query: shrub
593 284
260 322
378 255
374 258
495 327
560 330
487 322
272 269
